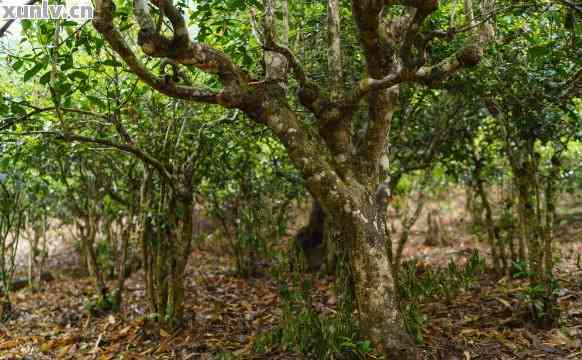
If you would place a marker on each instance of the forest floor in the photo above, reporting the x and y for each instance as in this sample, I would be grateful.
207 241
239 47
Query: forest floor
225 314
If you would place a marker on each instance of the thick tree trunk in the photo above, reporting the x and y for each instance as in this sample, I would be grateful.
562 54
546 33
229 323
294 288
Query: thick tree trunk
355 226
375 297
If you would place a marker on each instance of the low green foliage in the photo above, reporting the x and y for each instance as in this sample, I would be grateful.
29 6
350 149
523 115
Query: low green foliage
99 306
418 284
421 284
415 320
304 330
519 270
539 303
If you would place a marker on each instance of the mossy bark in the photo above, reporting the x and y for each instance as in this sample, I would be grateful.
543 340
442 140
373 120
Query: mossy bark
354 218
372 277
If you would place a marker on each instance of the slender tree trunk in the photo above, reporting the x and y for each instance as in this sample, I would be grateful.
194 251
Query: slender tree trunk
33 257
489 223
184 247
82 233
334 57
510 239
121 260
112 247
146 236
166 246
524 178
92 263
550 198
521 244
43 251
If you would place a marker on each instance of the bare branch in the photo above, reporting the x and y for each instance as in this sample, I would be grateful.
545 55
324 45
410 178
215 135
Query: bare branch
121 130
334 57
138 153
12 120
275 62
469 55
573 86
181 35
368 85
310 94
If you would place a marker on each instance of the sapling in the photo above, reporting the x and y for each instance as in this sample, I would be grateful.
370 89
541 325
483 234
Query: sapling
11 222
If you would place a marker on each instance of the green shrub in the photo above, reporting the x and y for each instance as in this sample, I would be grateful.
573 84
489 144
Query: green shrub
419 284
305 331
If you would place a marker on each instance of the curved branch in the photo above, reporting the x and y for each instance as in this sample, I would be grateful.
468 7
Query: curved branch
573 86
181 35
103 23
310 94
369 85
12 120
296 66
469 55
571 5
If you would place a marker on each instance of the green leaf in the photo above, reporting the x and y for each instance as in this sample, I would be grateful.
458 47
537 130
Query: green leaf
70 23
45 78
110 62
78 75
538 51
95 100
17 65
26 25
67 64
33 71
17 109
